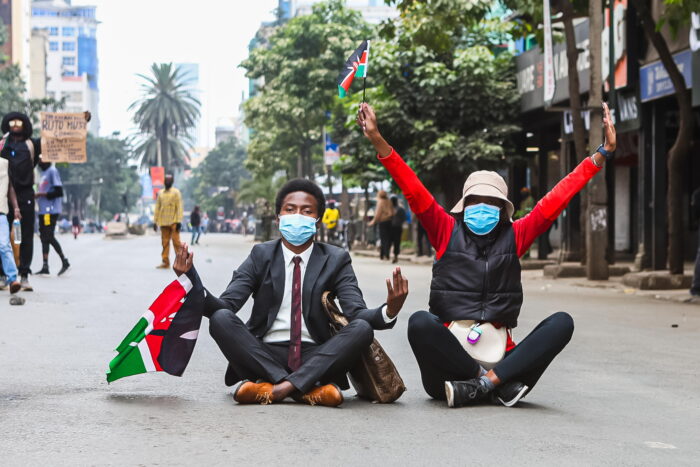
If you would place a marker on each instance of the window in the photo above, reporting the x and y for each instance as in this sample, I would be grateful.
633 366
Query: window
68 31
53 31
68 46
69 61
53 46
69 73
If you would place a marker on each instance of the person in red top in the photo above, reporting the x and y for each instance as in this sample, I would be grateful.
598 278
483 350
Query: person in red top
476 275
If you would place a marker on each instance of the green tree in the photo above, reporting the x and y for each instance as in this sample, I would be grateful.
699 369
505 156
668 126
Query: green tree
164 113
448 99
299 67
106 177
216 180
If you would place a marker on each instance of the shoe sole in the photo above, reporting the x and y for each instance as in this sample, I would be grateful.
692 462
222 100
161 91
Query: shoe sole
63 271
450 394
515 399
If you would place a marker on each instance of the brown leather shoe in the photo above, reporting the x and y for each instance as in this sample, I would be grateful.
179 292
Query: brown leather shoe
163 266
253 393
328 395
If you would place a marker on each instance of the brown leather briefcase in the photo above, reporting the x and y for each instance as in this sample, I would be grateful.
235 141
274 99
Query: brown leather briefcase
374 377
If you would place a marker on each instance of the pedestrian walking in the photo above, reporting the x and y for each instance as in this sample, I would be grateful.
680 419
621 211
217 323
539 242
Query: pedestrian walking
196 222
695 208
205 223
76 227
21 152
330 221
168 217
383 214
476 287
8 200
50 204
397 226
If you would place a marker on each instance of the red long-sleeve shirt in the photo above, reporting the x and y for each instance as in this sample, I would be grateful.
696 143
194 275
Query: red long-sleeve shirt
439 224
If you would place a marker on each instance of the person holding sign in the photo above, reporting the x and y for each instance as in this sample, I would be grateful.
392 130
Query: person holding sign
476 291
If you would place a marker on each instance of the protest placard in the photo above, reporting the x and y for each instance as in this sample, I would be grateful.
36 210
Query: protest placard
63 137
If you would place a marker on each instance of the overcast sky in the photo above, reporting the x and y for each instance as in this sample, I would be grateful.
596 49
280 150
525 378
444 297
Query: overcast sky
135 33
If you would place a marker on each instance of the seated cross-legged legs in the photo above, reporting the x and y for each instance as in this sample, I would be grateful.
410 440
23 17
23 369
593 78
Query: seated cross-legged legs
254 360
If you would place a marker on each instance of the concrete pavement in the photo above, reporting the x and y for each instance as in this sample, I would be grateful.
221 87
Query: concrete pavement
624 392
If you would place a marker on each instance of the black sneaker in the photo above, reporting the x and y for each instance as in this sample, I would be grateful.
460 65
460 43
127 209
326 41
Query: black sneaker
461 393
509 394
44 271
65 267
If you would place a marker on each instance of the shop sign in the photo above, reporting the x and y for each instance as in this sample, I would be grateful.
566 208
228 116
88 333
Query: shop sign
654 81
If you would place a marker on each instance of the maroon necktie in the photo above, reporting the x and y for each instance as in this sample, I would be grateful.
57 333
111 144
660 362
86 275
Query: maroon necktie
294 359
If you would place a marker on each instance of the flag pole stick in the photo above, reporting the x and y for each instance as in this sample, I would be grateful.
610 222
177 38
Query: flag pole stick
364 82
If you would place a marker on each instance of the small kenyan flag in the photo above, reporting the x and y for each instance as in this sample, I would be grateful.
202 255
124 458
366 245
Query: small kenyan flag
356 65
164 337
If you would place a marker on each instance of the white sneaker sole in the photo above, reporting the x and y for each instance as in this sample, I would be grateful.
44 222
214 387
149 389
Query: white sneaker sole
450 394
516 399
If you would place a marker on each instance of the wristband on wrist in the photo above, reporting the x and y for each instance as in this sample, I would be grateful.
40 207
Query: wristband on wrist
608 154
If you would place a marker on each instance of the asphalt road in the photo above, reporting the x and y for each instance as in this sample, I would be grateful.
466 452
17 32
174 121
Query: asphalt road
624 392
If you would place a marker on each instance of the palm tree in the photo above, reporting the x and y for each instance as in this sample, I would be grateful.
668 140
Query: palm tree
164 113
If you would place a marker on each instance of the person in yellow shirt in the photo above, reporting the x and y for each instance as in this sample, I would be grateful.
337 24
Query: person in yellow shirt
168 216
330 220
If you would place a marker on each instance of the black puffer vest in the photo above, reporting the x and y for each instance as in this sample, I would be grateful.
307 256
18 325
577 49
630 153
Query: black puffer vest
479 284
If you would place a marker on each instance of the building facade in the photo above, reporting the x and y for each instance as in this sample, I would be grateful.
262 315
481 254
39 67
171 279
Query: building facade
72 65
646 118
14 15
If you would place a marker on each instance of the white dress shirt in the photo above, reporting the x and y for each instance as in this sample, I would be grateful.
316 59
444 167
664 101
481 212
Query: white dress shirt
282 326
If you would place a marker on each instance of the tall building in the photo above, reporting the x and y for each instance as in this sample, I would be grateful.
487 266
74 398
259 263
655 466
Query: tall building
72 66
38 56
14 15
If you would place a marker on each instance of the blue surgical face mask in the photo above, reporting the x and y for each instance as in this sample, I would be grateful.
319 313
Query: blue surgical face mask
481 218
297 229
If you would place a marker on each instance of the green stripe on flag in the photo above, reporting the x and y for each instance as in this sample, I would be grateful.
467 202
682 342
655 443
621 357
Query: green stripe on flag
341 92
129 360
360 73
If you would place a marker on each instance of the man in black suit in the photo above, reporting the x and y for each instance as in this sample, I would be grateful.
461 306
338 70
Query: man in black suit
286 345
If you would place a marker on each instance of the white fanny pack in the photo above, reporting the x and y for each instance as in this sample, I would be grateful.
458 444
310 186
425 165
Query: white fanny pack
483 341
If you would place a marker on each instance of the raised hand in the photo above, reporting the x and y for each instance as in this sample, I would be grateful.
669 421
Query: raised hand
609 129
367 120
183 260
397 291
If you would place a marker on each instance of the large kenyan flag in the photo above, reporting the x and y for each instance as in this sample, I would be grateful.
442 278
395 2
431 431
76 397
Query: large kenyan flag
164 337
356 65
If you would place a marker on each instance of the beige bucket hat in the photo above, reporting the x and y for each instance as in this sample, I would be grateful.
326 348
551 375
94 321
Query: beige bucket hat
485 183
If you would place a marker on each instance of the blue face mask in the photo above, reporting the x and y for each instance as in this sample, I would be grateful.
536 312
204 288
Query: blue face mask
297 229
481 218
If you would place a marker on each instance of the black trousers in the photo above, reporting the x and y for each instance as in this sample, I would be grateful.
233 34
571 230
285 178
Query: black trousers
47 234
385 239
695 288
26 248
253 359
396 233
423 242
441 357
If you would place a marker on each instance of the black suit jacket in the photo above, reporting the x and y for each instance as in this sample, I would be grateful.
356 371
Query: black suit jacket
262 275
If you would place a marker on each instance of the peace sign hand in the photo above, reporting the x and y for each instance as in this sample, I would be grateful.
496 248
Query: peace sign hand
396 293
